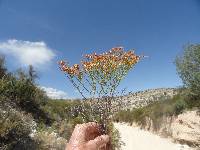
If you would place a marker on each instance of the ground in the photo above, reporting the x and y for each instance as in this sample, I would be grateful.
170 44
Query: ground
137 139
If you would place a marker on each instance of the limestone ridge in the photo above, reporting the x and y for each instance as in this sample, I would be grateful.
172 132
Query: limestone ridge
143 98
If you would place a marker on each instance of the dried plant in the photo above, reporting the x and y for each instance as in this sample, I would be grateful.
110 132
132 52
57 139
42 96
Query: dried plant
97 78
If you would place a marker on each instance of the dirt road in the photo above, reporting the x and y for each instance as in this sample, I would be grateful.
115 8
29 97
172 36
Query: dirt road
137 139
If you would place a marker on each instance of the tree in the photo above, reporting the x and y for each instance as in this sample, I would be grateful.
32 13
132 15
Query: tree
188 68
2 67
32 73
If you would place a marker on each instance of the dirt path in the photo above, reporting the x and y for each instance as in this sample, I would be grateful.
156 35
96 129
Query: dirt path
137 139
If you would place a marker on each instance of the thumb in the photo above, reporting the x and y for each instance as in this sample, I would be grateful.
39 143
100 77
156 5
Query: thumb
98 142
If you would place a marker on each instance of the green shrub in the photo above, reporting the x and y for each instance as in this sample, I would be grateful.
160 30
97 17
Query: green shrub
15 128
24 95
77 120
115 141
139 115
49 141
124 116
179 106
65 129
188 68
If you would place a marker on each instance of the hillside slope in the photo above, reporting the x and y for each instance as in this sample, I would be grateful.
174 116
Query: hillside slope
143 98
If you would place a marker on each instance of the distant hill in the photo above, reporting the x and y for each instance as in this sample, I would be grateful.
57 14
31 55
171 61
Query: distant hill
143 98
140 98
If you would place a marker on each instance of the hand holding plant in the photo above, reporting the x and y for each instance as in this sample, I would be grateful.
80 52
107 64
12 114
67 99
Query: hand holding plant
97 78
87 136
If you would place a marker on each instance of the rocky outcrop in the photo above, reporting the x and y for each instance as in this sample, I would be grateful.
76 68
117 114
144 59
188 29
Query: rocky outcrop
184 128
143 98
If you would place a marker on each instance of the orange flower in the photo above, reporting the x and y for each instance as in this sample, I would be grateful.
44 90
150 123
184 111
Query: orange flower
107 63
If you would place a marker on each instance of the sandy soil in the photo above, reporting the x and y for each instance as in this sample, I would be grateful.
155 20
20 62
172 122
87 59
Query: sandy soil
137 139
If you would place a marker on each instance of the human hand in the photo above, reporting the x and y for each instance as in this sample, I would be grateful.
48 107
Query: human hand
87 136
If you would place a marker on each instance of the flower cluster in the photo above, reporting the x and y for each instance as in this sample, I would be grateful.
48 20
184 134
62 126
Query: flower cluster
105 63
98 76
74 70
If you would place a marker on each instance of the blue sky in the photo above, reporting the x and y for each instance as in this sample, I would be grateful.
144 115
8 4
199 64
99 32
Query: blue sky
66 29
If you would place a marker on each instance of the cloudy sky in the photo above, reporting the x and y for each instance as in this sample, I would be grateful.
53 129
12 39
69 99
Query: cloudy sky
43 32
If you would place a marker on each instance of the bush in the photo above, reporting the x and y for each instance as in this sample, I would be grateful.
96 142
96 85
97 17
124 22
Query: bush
188 67
115 141
138 115
179 106
65 129
24 95
50 140
124 116
15 128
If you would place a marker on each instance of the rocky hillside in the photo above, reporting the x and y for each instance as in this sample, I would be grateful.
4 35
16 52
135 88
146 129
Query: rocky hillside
143 98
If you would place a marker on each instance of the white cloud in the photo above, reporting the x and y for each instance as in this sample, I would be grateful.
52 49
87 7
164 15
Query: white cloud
54 93
28 53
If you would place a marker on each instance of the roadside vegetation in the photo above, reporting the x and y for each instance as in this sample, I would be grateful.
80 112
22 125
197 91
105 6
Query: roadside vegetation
188 97
24 119
157 110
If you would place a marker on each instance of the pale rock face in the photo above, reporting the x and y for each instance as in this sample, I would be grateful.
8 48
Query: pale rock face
186 127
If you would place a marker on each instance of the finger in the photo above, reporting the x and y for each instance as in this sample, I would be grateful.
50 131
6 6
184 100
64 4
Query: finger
92 130
91 126
98 142
84 132
77 136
